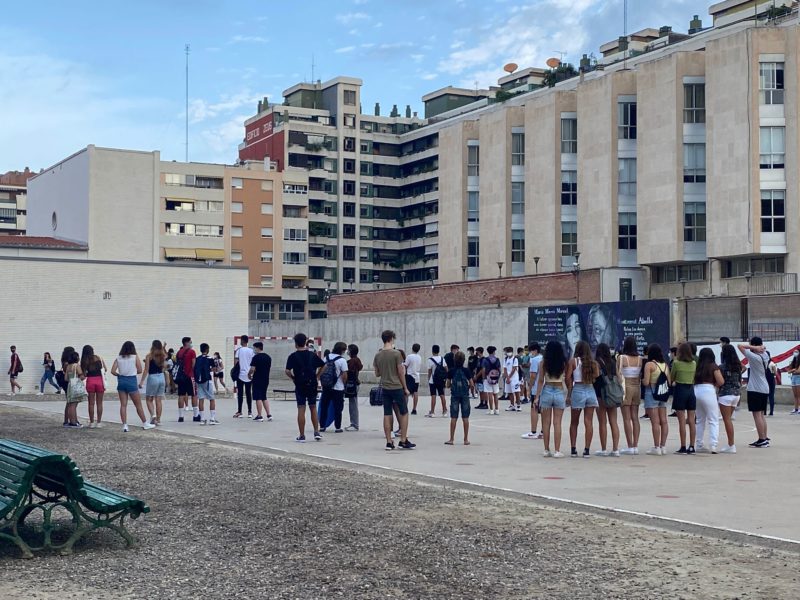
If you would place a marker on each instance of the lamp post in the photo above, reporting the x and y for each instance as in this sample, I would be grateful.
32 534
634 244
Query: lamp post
536 263
463 272
576 268
328 291
431 273
375 280
351 280
682 281
748 276
499 269
403 277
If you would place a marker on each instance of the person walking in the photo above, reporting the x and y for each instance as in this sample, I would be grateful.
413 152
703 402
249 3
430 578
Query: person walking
154 381
684 401
707 379
729 393
354 367
244 387
550 392
219 373
607 405
656 409
302 367
629 370
49 374
461 383
126 368
388 366
14 369
582 370
260 366
413 363
794 371
94 367
757 387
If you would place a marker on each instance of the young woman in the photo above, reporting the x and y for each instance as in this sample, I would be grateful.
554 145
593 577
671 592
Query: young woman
171 385
49 373
94 366
707 379
354 367
794 371
582 370
629 367
72 370
730 392
606 415
683 399
61 376
656 410
127 366
154 381
219 373
550 391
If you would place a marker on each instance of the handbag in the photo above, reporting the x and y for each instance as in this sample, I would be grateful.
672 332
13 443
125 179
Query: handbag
76 390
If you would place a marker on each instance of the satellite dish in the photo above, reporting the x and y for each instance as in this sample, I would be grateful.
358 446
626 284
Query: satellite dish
553 63
510 67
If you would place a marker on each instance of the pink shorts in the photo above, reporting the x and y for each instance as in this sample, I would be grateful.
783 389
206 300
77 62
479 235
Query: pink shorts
95 385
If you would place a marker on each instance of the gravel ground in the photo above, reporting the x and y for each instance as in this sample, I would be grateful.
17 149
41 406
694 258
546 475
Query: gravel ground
231 522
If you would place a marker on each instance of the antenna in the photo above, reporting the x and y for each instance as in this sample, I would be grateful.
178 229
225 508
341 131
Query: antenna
561 55
625 33
186 139
312 68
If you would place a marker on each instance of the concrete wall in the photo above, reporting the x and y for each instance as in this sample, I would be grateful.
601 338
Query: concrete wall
55 303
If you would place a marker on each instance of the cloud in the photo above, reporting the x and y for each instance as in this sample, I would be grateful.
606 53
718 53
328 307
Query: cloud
201 110
344 49
417 57
223 139
248 39
352 18
429 76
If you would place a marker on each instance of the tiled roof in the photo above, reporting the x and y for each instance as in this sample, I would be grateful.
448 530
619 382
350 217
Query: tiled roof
29 241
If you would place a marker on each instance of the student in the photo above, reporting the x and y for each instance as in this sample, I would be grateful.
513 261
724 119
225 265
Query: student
511 377
388 366
333 395
437 375
684 401
607 406
524 359
629 370
260 366
127 366
449 358
61 376
14 370
771 373
491 370
656 410
219 373
757 387
413 363
73 373
550 392
461 384
479 379
154 381
244 387
472 365
729 393
172 386
536 361
354 367
49 374
187 386
93 367
302 367
204 376
794 371
582 370
707 379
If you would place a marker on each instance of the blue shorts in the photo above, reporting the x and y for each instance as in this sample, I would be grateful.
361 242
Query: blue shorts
795 380
205 390
552 397
127 384
650 402
583 396
457 403
156 385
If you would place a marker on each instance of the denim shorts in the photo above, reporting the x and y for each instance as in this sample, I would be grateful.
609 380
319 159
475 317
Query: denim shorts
205 390
156 385
457 403
552 397
127 384
795 380
583 396
650 401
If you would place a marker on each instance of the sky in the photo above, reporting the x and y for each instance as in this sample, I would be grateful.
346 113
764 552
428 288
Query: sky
112 73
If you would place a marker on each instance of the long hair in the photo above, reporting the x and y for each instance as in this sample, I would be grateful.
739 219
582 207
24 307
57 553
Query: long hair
706 365
655 353
589 368
685 352
730 359
629 346
86 357
603 356
554 361
128 349
795 360
66 353
157 353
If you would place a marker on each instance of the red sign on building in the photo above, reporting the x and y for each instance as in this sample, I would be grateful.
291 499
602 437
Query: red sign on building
260 141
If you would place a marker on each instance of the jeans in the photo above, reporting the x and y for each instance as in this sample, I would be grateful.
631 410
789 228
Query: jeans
353 407
707 412
771 399
48 376
244 388
331 399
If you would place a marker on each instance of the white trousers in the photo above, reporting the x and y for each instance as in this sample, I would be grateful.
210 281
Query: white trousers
707 413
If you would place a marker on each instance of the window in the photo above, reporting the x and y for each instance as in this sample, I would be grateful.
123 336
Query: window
295 258
291 283
349 231
694 163
569 136
473 160
365 233
365 190
199 230
517 198
266 281
770 82
267 185
265 311
237 183
569 188
267 209
627 177
179 205
694 222
366 168
626 125
208 206
676 273
236 232
569 238
349 252
236 255
173 179
349 165
266 232
213 183
517 246
349 209
773 211
350 121
626 239
208 230
266 257
349 274
293 212
366 147
755 266
473 251
694 103
473 207
350 97
295 235
237 207
773 147
295 188
349 188
517 148
349 144
291 311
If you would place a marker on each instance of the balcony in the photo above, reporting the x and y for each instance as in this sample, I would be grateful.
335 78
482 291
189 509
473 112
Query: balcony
760 284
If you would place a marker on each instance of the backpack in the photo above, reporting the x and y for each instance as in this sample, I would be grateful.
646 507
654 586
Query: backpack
459 387
306 380
661 391
493 374
328 377
20 368
177 369
439 372
201 369
612 391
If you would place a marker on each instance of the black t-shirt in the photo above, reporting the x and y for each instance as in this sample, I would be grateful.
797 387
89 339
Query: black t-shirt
262 363
304 364
450 360
465 370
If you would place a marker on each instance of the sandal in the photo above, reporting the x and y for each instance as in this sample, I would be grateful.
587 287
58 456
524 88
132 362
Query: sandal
466 442
237 415
448 443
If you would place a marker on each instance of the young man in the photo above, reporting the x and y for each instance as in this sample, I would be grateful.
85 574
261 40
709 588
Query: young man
450 357
388 366
524 358
413 364
437 375
14 370
491 370
204 375
460 385
757 387
244 386
472 365
303 367
258 374
187 386
333 395
479 379
536 360
511 377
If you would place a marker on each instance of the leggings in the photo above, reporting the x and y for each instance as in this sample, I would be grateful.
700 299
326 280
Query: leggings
245 387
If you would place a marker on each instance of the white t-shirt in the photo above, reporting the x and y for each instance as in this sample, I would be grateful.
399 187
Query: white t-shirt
413 364
509 365
757 378
433 359
535 362
341 367
245 356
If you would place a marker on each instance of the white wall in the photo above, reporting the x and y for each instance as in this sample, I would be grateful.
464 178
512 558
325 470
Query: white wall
55 303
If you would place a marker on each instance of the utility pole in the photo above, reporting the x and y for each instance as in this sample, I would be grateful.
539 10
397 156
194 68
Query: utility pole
186 138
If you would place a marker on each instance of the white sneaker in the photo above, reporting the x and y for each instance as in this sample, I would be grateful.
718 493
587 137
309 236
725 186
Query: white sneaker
148 425
627 451
269 417
213 422
430 415
654 451
91 426
547 454
601 453
496 411
702 450
531 435
728 450
39 394
714 450
614 453
558 455
511 408
636 451
124 429
203 422
794 412
98 425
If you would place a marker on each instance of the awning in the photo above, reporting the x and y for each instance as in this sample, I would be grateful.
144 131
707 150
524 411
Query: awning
179 253
209 254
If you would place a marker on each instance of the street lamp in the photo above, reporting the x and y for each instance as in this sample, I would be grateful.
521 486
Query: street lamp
683 281
351 280
576 268
499 268
403 277
536 263
463 272
748 276
431 273
375 279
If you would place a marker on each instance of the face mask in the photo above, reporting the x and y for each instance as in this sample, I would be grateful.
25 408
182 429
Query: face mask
509 355
795 354
191 345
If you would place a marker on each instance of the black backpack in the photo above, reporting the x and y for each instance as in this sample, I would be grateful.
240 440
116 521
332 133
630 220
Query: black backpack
661 390
459 387
439 372
202 368
328 377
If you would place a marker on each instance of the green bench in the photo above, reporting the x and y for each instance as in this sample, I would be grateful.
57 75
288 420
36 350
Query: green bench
34 479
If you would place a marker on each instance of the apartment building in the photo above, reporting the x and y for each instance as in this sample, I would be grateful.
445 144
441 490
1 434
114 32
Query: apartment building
13 209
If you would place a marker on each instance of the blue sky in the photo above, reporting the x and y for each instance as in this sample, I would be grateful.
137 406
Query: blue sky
111 73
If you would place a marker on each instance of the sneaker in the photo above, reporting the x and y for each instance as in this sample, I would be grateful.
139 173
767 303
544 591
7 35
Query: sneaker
269 417
39 394
147 426
636 451
259 419
728 450
673 413
614 453
586 453
203 422
351 428
430 415
531 435
762 444
124 429
74 425
714 450
317 436
396 433
602 453
188 409
407 445
213 422
547 454
197 418
414 411
323 429
91 425
496 411
703 450
690 450
627 451
539 436
389 446
573 453
511 408
654 451
180 419
340 430
249 415
558 455
300 438
98 425
681 450
237 416
444 413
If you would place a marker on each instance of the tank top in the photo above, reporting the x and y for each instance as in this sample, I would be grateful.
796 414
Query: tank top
550 379
631 371
654 374
577 374
153 368
94 369
126 366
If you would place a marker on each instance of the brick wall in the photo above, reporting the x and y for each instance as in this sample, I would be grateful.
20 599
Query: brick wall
528 290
